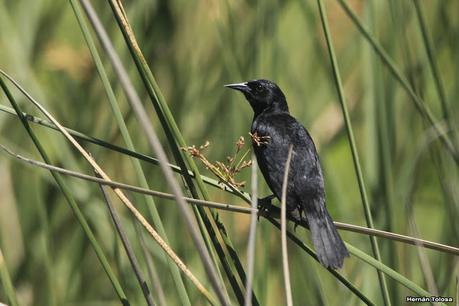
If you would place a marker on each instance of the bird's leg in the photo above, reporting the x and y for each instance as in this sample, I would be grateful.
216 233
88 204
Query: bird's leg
300 213
265 205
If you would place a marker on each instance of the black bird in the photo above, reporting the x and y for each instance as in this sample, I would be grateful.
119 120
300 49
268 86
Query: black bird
274 130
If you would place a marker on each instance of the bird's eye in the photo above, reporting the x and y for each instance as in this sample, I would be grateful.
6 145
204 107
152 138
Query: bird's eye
259 88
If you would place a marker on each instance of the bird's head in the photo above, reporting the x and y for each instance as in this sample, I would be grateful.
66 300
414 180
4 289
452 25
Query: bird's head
262 95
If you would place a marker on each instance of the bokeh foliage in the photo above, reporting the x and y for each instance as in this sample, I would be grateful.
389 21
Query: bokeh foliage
193 48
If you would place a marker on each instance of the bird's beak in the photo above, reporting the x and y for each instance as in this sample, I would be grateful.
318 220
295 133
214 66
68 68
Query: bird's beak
239 86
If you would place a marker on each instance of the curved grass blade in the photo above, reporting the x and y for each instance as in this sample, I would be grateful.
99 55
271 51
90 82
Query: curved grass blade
175 272
216 230
119 193
432 60
114 184
155 145
434 67
395 275
355 155
152 271
113 147
70 200
252 234
368 259
127 247
5 277
349 285
343 226
335 273
418 102
388 271
288 287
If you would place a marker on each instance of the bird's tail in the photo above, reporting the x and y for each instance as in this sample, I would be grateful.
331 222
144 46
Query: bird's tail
329 246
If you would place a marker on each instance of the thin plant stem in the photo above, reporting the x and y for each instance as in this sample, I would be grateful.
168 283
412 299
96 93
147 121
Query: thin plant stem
418 102
67 194
127 247
398 277
215 228
355 155
398 237
286 271
354 250
8 287
152 272
457 290
245 210
388 271
364 257
424 261
430 50
175 272
252 234
119 185
167 121
120 194
311 253
432 61
156 147
80 136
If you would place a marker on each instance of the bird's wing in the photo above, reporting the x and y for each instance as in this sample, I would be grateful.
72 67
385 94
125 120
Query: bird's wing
305 189
272 156
305 175
308 179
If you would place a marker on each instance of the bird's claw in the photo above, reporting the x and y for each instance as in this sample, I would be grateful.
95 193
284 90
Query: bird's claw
294 227
264 205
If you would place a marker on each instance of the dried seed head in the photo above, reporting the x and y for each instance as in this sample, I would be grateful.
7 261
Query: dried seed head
205 145
226 170
245 164
259 140
240 143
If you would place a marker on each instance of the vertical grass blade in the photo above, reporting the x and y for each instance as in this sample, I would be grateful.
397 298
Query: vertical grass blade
175 272
388 271
71 201
457 290
311 253
296 240
142 157
8 287
418 102
152 271
432 59
364 257
216 230
156 146
287 286
433 65
252 234
118 191
383 96
127 247
397 62
355 155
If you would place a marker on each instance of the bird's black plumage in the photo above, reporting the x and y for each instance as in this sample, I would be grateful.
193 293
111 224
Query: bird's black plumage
305 190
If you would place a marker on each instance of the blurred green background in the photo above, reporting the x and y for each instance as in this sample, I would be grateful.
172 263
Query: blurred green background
194 48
